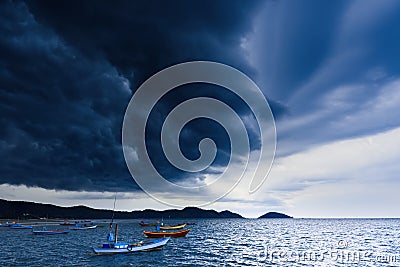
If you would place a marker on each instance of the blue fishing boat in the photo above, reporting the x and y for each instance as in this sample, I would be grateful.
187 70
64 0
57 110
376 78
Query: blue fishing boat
20 226
86 225
115 247
125 247
44 231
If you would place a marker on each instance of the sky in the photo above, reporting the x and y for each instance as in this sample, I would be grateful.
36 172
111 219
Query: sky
329 70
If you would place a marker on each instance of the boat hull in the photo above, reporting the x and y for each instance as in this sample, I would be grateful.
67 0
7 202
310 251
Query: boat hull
182 233
83 227
172 227
51 232
18 226
149 224
120 248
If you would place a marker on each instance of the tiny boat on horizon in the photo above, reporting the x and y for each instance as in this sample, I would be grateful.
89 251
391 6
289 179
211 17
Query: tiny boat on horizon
182 233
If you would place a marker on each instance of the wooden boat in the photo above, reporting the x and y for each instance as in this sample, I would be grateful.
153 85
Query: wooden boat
20 226
142 223
182 233
82 227
50 232
172 227
124 247
67 223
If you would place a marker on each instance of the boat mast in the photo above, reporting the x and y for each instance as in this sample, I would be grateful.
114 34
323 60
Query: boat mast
115 199
116 232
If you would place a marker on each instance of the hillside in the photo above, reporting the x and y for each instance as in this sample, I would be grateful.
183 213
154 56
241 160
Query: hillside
274 215
31 210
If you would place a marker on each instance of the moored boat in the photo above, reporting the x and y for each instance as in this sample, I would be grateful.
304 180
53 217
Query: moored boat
82 227
142 223
67 223
115 247
182 233
6 224
20 226
124 247
50 232
172 227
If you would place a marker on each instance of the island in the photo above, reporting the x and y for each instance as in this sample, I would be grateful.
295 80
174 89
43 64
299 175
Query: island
275 215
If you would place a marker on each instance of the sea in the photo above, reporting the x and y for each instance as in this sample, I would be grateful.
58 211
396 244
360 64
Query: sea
219 242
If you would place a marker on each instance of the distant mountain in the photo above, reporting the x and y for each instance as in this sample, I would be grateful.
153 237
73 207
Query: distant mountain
31 210
274 215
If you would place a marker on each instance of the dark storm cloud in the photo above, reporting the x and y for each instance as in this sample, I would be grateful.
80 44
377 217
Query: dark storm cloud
68 69
60 112
143 37
329 64
293 42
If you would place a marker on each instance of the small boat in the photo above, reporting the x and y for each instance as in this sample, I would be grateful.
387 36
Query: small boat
172 227
6 224
20 226
124 247
142 223
182 233
67 223
82 227
115 247
50 232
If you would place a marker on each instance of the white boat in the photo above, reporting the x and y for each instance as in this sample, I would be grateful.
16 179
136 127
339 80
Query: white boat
124 247
82 227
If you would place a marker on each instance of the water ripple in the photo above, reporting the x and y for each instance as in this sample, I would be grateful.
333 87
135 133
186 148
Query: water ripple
236 242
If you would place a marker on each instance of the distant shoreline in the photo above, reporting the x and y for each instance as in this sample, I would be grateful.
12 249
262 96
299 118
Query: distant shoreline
23 210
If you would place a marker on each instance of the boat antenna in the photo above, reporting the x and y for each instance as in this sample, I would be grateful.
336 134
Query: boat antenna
115 199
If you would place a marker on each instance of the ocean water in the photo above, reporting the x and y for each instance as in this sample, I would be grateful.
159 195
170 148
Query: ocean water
220 242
